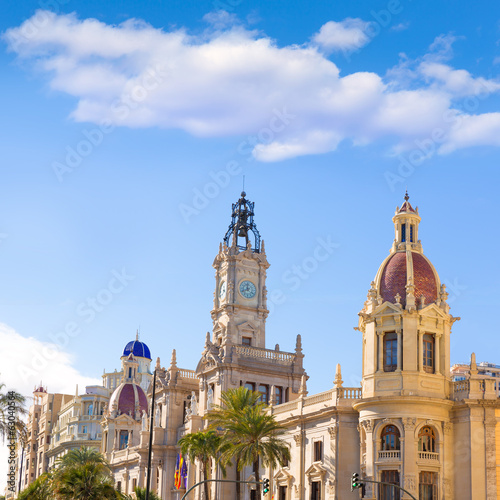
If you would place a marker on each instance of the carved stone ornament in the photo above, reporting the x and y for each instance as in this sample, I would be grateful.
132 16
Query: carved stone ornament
447 427
409 423
332 430
298 439
367 424
410 482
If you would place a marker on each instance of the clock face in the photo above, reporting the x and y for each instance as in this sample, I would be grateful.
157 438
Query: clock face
222 290
247 289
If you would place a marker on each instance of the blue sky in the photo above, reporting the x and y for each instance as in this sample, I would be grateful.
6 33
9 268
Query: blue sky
127 128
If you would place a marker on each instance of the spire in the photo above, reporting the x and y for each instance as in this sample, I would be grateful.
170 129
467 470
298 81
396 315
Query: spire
137 335
338 377
242 228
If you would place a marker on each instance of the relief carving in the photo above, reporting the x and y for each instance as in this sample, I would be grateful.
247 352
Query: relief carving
409 423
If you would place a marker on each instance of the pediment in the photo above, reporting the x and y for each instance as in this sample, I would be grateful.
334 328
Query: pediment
317 470
247 326
124 417
433 311
283 476
387 308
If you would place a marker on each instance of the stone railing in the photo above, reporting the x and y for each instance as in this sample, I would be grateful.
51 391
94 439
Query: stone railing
428 455
279 357
282 408
350 392
187 373
319 398
461 389
389 455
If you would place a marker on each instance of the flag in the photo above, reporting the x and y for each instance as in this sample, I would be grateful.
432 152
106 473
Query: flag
180 475
184 474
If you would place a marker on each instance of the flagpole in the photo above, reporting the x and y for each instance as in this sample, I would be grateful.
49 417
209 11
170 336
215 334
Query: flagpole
148 479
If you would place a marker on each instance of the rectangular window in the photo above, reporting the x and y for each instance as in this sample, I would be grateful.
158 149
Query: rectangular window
411 233
315 490
428 354
318 451
390 352
123 439
264 393
427 487
387 492
250 386
84 429
246 341
403 232
278 391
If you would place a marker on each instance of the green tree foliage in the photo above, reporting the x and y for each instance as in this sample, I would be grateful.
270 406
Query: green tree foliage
83 474
202 446
251 434
7 399
234 402
140 494
40 489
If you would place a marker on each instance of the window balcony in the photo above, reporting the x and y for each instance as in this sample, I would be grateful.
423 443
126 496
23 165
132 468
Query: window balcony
389 455
428 456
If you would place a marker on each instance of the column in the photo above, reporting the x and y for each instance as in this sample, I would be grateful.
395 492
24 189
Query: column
400 350
437 354
421 350
370 458
380 351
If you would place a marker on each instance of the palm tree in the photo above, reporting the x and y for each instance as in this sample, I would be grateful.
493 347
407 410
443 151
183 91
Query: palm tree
40 489
255 437
83 474
140 494
233 403
201 446
8 400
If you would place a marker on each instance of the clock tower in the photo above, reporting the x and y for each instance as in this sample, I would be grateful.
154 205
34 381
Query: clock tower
240 308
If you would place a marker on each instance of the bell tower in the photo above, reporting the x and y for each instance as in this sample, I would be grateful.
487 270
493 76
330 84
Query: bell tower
240 302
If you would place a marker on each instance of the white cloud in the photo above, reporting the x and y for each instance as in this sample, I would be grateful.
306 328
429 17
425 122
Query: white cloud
347 35
27 362
232 81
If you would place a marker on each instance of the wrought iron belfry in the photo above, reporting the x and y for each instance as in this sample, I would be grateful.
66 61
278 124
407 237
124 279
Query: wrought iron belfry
242 225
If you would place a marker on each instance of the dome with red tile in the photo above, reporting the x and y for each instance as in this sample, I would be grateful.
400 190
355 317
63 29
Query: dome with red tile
127 398
394 277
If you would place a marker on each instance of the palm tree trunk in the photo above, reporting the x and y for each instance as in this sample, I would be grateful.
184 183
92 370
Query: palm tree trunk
256 474
205 477
238 478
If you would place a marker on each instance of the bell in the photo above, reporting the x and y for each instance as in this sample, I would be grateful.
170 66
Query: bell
242 232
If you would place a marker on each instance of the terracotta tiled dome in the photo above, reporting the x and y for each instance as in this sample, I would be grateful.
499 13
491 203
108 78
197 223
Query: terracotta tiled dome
128 397
394 277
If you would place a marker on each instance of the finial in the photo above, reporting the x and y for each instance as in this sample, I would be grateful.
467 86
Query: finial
158 366
473 364
298 344
407 197
137 335
76 392
207 339
338 377
173 360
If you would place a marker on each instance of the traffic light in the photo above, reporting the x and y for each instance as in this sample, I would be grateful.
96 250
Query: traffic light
355 482
265 485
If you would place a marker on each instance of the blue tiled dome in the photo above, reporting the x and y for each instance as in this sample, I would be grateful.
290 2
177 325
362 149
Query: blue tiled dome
137 348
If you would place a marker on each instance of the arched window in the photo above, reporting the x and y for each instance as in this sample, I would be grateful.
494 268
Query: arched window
390 438
427 439
428 353
90 409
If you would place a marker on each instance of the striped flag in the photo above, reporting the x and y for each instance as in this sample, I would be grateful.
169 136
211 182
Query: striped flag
180 475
